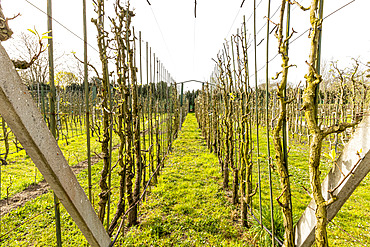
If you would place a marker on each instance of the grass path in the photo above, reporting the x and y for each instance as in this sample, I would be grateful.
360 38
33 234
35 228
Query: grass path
188 206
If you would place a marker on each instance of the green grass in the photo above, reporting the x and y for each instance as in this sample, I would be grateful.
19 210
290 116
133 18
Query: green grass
39 229
21 171
188 206
354 217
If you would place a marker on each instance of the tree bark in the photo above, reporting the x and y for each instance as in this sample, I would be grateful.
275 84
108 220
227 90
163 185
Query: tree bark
102 44
284 199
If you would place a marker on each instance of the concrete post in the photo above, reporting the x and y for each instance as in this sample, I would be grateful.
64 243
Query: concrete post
23 117
348 160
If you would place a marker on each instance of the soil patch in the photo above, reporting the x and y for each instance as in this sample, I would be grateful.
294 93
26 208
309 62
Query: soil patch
36 190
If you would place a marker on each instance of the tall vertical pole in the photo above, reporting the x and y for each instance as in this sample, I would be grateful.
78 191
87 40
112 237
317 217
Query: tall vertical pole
181 103
285 134
256 105
143 167
268 125
147 127
159 106
110 98
318 60
52 115
247 89
51 72
86 84
154 66
236 83
233 57
110 92
160 70
0 189
150 115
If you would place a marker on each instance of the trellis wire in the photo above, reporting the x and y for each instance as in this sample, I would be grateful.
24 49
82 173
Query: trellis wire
266 65
161 75
267 91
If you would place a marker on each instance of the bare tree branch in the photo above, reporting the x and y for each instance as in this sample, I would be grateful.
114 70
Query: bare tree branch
90 65
299 5
5 31
338 128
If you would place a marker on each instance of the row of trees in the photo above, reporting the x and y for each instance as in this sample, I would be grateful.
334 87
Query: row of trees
144 116
230 112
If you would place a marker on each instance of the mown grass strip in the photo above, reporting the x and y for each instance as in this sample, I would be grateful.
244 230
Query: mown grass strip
188 206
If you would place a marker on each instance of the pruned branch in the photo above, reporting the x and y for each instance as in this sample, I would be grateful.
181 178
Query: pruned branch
277 75
316 74
299 5
90 65
254 191
331 200
289 37
278 199
338 128
344 179
24 64
269 19
289 66
307 191
5 31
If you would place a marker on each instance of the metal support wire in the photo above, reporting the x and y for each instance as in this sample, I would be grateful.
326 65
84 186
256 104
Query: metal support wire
306 31
160 31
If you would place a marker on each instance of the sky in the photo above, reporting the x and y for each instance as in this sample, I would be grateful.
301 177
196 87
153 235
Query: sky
187 45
